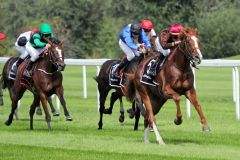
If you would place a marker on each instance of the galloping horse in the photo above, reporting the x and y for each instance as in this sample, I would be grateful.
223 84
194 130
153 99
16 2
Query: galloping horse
104 88
46 80
175 78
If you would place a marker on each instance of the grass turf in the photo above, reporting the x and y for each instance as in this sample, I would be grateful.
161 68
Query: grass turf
80 139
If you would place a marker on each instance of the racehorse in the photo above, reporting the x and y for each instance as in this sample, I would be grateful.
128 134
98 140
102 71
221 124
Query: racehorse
104 88
46 80
175 78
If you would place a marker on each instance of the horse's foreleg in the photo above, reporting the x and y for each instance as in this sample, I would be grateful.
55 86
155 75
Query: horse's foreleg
47 115
121 117
35 103
169 92
59 93
149 119
191 95
10 118
53 110
137 116
178 120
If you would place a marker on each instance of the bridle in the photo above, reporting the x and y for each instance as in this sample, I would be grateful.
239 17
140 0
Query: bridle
184 48
52 55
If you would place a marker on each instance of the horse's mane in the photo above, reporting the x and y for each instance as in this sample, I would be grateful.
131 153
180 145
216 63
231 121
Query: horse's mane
191 31
55 41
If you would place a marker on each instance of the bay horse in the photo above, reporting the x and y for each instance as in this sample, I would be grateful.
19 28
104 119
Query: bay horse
46 80
104 88
175 78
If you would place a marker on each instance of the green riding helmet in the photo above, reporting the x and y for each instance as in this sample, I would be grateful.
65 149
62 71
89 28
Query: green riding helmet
45 28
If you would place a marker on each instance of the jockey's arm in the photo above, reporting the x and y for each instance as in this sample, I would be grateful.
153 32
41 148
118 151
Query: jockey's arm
164 36
130 43
37 41
145 40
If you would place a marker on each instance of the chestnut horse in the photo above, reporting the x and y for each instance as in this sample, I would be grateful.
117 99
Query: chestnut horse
175 78
46 80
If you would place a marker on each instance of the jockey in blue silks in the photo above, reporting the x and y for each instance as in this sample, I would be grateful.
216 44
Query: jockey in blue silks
133 40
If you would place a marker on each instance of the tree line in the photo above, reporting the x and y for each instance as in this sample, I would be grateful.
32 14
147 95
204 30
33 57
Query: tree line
90 28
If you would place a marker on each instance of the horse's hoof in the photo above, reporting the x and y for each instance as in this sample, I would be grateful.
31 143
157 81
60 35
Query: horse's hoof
100 125
8 122
131 113
121 118
151 129
39 111
56 113
178 121
68 118
107 111
206 129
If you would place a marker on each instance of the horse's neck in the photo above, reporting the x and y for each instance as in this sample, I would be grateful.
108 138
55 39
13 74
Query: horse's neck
44 64
179 60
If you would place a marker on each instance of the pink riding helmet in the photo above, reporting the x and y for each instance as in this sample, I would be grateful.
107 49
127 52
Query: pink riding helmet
2 36
175 29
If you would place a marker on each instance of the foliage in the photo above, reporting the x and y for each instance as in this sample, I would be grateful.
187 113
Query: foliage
90 28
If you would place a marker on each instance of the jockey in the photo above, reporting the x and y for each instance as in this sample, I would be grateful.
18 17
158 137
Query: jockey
169 37
20 46
168 40
37 44
132 42
148 29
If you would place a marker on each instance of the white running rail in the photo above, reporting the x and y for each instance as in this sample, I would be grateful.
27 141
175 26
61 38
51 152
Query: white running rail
234 64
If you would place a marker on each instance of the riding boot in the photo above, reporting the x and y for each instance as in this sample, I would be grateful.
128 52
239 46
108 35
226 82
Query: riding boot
27 70
122 64
15 65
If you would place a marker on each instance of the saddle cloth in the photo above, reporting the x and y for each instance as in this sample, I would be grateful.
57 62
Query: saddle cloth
114 81
146 78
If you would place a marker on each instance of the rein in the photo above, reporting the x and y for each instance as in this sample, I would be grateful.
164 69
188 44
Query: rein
50 57
187 52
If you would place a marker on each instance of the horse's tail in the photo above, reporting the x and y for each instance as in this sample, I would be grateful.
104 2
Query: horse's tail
131 90
96 78
3 80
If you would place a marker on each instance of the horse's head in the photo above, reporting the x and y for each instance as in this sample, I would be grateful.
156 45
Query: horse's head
56 54
191 46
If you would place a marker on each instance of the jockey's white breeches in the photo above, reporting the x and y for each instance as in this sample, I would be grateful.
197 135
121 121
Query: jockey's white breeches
34 53
22 50
130 53
165 52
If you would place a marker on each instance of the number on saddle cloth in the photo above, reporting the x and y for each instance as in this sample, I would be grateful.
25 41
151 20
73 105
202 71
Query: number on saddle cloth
147 77
114 81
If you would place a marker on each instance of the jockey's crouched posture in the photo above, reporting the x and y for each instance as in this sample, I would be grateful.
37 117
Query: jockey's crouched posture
133 41
31 43
169 39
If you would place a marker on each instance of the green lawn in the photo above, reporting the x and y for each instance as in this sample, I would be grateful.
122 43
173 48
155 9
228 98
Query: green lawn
80 139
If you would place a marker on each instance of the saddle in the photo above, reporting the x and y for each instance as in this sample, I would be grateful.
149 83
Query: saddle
26 81
119 81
